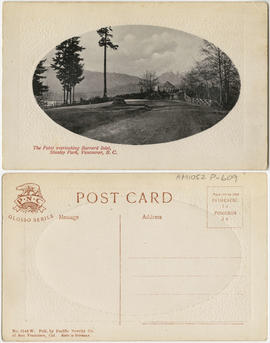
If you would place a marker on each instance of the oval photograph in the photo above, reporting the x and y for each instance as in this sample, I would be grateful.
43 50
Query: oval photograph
136 84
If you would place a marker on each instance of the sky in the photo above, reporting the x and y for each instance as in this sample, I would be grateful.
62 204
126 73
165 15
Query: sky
141 48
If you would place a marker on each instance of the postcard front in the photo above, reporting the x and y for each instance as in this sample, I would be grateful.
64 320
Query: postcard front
134 257
135 85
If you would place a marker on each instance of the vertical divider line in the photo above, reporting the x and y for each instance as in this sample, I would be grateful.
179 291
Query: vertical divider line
120 271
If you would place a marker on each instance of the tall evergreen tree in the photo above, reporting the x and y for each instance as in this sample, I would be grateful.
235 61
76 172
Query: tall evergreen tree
105 41
68 66
38 87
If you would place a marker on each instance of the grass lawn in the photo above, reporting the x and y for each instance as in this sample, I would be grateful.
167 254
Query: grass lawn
138 122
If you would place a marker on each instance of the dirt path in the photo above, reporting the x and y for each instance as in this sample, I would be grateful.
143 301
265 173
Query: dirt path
162 124
137 122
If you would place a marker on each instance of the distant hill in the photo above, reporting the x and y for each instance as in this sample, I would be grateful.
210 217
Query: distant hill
92 85
174 78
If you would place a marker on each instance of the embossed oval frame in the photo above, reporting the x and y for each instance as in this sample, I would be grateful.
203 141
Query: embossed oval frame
136 84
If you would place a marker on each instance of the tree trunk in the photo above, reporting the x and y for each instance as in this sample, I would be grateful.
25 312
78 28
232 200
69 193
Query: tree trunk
220 76
64 94
105 71
226 82
73 94
207 90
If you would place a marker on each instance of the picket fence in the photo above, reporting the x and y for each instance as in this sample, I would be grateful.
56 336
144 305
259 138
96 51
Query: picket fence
198 101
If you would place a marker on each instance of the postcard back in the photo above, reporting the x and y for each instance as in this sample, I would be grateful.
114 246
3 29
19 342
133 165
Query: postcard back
134 257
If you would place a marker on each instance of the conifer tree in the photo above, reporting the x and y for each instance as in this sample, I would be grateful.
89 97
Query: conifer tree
68 66
105 41
38 87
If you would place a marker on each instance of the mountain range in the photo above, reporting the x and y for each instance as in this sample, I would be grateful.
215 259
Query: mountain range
92 84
